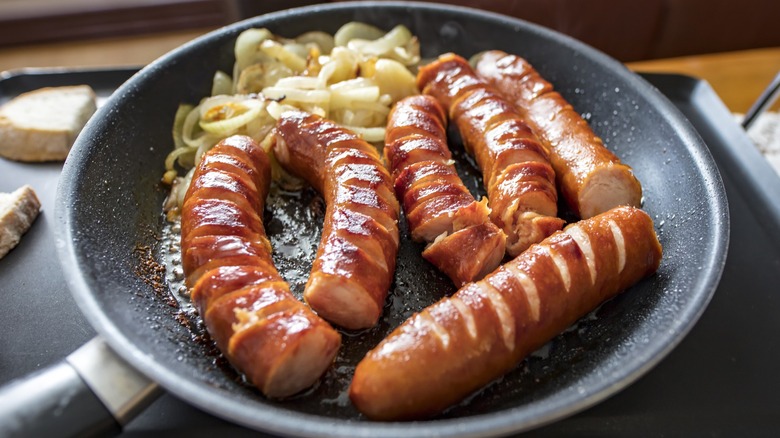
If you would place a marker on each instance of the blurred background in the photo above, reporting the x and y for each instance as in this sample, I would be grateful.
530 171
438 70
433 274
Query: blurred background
733 44
628 30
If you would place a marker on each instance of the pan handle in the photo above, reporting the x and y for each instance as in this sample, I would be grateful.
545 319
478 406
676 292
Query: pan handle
92 392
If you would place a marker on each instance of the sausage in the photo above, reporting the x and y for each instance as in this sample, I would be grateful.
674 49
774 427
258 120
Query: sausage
462 241
517 175
355 261
461 343
256 322
591 178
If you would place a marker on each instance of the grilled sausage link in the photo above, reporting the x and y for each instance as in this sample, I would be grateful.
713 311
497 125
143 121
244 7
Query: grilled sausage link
515 167
591 178
462 242
459 344
260 327
355 261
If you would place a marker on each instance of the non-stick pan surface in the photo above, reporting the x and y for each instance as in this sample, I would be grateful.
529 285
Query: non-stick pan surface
110 225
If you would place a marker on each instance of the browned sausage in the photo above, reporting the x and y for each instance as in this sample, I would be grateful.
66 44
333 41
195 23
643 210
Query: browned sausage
461 343
462 242
517 175
355 262
591 178
260 327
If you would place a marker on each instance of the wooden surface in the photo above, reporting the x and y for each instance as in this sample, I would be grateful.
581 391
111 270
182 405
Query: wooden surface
120 51
737 77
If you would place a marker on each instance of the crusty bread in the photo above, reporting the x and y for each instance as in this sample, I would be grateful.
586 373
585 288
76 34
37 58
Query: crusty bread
41 125
18 210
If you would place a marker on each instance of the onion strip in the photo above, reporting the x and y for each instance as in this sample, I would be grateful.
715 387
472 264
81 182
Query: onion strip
170 160
371 135
397 37
178 125
227 126
294 94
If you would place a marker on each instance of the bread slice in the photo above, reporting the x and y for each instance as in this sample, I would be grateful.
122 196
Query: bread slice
41 125
18 210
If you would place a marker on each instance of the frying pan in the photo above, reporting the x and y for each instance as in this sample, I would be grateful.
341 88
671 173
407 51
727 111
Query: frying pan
110 226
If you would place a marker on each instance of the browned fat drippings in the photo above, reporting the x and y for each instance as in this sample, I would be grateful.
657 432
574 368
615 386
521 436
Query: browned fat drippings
177 291
151 272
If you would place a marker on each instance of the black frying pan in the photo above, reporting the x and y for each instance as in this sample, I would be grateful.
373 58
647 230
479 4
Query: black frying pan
110 221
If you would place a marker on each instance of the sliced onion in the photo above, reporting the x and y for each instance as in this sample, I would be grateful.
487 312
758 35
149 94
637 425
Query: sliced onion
374 107
222 84
357 117
325 74
211 105
322 40
355 83
247 47
310 96
353 78
301 82
408 55
397 37
168 178
258 76
176 154
230 125
190 128
288 58
297 49
321 111
182 186
356 30
394 79
207 142
259 127
344 98
275 109
345 67
178 125
371 135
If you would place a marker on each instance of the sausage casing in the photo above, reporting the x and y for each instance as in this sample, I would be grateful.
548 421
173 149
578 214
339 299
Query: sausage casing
591 178
355 261
463 242
260 327
517 175
459 344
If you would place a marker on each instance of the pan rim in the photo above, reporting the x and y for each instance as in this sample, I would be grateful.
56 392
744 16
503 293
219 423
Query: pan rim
283 421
